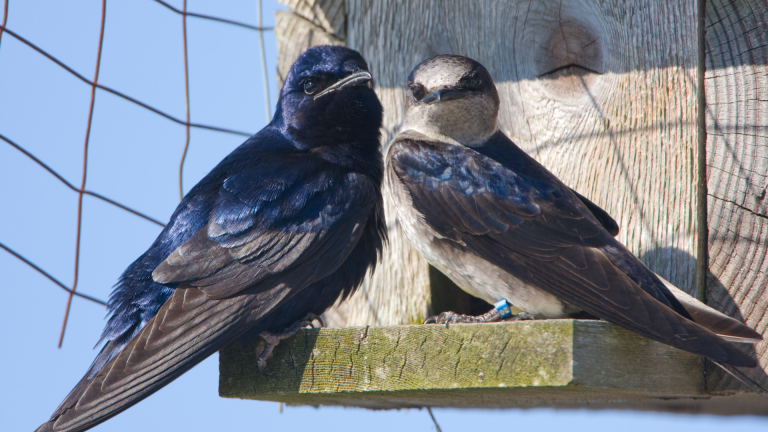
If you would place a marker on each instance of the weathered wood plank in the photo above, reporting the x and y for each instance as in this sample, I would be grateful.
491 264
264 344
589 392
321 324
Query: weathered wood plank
523 364
330 15
737 166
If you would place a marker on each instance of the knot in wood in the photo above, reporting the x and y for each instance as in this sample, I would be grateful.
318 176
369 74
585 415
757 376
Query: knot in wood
571 58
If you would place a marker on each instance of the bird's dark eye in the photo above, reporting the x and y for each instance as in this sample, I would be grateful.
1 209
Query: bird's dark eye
310 87
471 80
417 90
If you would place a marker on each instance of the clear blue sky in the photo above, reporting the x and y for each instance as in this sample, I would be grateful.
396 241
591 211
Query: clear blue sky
133 158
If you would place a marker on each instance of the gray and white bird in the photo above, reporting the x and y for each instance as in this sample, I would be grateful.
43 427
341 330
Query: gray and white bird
506 230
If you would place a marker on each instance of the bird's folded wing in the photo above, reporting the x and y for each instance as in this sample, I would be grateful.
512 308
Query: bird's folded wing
188 328
535 228
262 245
262 226
602 216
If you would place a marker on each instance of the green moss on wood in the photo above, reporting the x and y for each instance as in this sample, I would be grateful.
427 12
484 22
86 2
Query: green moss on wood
562 360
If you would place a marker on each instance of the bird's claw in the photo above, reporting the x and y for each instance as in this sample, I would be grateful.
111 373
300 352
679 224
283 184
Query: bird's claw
448 318
492 315
310 319
271 340
261 365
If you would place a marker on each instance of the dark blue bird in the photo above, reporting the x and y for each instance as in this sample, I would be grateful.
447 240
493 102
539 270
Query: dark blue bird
279 230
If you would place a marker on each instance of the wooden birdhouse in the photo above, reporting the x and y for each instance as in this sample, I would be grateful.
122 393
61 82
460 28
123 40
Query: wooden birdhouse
653 109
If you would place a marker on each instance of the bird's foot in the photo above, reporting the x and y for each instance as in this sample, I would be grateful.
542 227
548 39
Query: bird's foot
449 318
309 321
492 315
271 340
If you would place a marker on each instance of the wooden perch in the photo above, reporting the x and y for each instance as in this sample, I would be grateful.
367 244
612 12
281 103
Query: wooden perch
547 363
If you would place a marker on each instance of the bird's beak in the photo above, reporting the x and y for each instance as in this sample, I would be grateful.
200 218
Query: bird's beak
444 93
354 79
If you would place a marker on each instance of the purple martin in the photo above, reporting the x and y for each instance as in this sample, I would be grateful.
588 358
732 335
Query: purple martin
506 230
280 229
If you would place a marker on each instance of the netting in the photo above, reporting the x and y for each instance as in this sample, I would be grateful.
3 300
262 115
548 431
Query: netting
96 90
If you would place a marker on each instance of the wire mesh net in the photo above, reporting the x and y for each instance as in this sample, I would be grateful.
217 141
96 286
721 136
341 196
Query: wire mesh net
210 30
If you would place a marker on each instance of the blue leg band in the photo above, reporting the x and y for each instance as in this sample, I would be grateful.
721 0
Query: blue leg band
503 307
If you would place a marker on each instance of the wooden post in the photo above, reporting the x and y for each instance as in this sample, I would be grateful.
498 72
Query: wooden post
604 95
736 86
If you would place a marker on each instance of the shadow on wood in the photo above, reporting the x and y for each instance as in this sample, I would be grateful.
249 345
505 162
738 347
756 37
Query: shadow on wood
717 379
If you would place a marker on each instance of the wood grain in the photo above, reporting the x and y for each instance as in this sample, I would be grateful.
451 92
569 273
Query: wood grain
736 86
542 353
561 363
330 15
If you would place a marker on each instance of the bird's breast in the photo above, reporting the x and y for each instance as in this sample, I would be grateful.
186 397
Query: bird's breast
470 272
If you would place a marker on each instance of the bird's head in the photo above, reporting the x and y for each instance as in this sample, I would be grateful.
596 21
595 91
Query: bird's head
452 98
329 89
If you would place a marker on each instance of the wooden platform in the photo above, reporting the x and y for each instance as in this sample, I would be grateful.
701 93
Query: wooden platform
547 363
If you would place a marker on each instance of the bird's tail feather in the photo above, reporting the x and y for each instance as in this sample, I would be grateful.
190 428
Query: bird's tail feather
717 322
186 330
104 356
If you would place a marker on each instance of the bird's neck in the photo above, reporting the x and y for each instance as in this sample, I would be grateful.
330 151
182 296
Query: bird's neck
455 137
356 146
353 150
458 128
